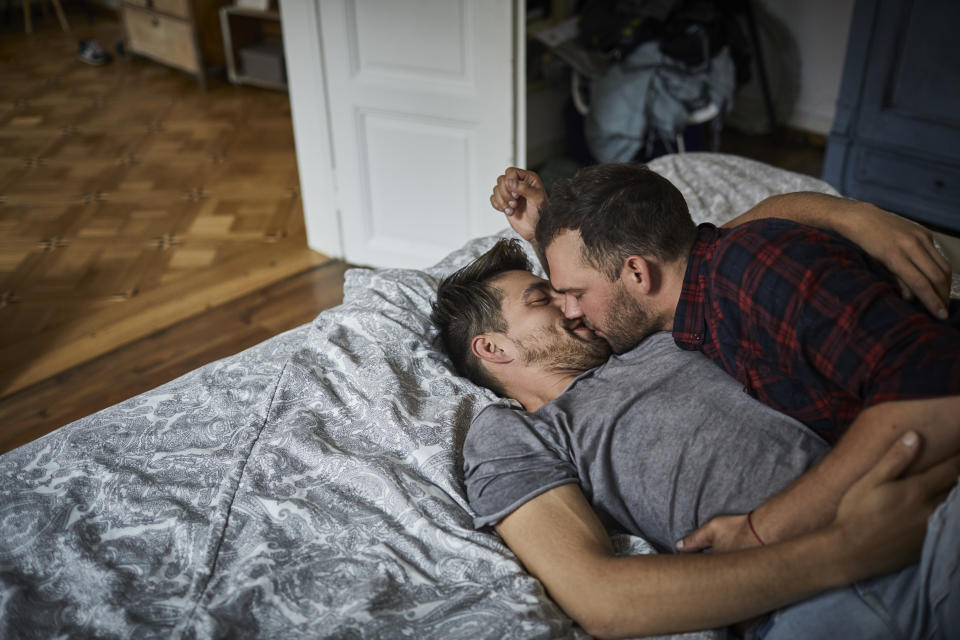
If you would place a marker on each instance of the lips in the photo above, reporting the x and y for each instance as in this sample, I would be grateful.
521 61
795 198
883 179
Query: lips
581 330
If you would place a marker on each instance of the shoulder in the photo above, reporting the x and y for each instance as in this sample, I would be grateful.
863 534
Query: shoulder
510 456
491 419
502 430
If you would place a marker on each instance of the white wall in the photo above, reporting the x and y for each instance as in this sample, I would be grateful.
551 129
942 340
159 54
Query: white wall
820 29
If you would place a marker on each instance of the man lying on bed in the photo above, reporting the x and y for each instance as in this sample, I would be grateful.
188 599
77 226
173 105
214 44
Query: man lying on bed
654 459
803 319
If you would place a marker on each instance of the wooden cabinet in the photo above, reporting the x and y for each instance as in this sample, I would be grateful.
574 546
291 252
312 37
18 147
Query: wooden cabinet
184 34
896 136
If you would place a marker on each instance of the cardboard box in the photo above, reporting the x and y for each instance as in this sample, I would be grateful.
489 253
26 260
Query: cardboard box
264 61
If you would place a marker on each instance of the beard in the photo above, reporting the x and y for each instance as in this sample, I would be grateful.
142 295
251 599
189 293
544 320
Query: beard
558 349
627 322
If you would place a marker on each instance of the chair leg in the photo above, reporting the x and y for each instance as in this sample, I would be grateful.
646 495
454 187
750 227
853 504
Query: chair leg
761 66
27 24
62 18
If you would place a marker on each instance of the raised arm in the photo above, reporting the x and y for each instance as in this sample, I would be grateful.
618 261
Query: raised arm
519 194
879 528
904 247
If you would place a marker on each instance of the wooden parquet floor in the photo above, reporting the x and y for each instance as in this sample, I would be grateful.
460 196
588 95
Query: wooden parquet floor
130 201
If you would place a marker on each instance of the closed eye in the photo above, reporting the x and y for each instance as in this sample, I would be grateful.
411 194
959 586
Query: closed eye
537 294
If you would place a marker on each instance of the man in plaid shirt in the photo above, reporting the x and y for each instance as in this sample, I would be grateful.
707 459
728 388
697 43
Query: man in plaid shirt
806 321
809 324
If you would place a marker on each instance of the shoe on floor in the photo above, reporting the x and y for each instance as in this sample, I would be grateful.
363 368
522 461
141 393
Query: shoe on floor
93 53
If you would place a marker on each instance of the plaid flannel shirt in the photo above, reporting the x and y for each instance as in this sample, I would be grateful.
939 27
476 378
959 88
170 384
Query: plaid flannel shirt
810 324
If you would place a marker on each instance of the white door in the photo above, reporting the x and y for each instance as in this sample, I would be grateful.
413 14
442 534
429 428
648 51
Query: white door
421 103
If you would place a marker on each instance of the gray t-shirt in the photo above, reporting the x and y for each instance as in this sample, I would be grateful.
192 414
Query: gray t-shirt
659 439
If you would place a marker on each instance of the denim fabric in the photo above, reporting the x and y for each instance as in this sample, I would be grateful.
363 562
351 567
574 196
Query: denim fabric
919 602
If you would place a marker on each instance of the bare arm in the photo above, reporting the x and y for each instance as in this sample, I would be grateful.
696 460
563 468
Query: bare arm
519 194
879 528
904 247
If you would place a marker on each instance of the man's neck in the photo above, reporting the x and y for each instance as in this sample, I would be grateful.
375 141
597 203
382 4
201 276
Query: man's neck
669 295
539 387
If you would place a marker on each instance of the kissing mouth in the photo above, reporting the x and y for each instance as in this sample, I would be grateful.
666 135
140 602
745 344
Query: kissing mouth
581 330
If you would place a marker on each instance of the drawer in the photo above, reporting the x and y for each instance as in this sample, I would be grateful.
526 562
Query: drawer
162 38
178 8
924 189
921 177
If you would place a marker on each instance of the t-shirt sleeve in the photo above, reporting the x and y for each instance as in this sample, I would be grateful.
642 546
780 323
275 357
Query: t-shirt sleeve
511 457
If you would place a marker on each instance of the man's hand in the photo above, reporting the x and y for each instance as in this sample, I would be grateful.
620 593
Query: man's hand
721 534
884 515
520 194
907 250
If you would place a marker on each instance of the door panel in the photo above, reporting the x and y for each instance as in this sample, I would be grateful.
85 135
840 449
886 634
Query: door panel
389 165
421 103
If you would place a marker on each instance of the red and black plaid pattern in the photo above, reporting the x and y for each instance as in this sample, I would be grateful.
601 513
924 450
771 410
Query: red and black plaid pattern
810 324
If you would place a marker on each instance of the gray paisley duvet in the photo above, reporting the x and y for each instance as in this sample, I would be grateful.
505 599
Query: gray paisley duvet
309 487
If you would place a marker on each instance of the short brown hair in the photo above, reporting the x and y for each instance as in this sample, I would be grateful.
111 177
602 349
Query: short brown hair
620 210
468 305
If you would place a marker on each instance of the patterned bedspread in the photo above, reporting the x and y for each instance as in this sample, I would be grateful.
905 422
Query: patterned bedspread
308 487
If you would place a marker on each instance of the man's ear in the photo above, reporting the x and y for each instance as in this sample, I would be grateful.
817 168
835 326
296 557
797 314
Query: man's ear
486 346
637 274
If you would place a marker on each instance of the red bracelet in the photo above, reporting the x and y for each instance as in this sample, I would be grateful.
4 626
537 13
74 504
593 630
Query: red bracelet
752 530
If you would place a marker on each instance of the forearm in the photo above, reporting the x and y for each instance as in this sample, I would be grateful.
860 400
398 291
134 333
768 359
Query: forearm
812 500
646 595
820 210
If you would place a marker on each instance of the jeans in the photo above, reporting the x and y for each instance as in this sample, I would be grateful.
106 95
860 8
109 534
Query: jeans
921 601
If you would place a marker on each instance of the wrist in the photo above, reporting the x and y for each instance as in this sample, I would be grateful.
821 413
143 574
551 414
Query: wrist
753 529
853 216
843 561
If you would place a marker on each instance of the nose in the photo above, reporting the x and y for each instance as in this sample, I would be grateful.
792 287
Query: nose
571 308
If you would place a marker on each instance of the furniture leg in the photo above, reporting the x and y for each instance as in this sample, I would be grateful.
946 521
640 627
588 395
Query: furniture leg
62 18
27 25
761 66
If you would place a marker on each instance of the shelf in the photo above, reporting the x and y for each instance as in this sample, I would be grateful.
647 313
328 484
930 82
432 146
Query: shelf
257 36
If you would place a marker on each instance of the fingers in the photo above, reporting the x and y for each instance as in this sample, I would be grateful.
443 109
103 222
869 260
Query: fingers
928 274
905 291
699 540
501 197
511 187
895 461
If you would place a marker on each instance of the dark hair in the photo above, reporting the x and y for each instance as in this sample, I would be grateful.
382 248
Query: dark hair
468 305
620 210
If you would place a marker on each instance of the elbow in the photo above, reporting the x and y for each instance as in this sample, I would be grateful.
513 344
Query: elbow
600 627
599 619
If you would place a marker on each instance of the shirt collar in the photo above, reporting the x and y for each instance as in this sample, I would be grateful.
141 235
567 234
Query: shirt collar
689 321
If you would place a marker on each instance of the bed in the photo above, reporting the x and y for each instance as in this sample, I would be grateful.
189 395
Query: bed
309 487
